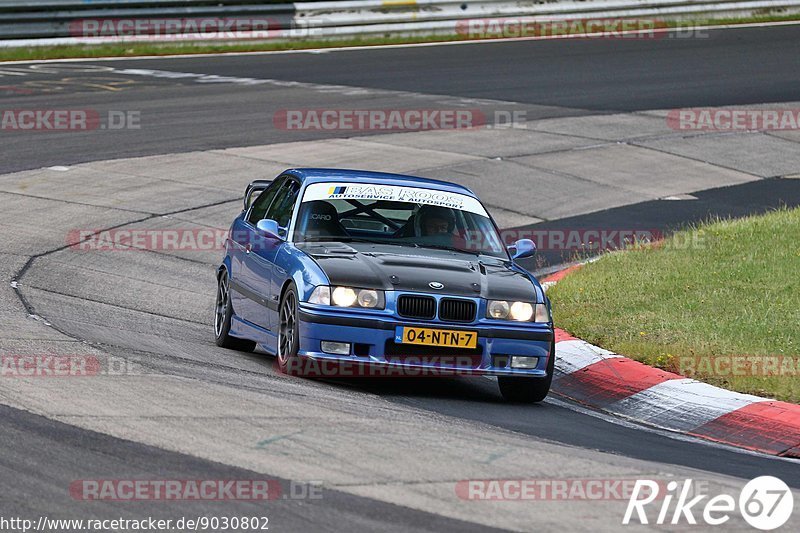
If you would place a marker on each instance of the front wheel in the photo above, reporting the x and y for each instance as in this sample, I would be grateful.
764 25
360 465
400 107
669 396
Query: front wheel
223 312
289 334
527 389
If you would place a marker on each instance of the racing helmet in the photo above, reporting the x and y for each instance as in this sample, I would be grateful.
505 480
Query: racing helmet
428 213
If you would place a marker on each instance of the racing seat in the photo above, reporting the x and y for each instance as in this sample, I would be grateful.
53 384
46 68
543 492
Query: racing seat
319 219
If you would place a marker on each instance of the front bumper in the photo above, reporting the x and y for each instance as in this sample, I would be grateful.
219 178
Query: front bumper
371 336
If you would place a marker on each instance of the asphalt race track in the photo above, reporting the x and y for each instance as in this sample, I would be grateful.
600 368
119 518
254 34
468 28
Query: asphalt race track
594 152
545 78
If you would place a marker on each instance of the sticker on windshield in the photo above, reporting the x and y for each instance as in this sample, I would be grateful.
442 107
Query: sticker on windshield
370 191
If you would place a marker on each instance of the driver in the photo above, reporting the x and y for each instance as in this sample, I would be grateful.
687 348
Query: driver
436 221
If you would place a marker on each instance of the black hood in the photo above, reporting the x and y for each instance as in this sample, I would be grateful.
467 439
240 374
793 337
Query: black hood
386 267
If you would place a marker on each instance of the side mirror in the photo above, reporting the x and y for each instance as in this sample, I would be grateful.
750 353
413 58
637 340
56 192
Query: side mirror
522 248
269 228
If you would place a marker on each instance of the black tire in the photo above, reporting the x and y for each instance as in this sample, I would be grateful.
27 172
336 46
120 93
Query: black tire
289 334
223 311
525 389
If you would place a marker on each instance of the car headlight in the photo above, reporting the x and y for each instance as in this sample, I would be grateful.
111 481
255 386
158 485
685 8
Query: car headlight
368 298
498 309
517 311
347 297
344 296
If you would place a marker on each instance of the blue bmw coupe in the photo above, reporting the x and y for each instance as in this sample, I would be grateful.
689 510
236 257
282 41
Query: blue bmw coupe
332 268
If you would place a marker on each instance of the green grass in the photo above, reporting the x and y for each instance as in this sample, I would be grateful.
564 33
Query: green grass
146 49
156 49
724 288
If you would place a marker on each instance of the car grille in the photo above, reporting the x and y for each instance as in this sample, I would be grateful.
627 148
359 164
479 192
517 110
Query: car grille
453 310
416 306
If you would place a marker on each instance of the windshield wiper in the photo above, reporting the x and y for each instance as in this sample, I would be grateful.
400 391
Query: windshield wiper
385 243
339 239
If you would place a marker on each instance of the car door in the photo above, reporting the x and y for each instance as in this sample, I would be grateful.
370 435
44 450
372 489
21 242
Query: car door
282 212
247 302
258 265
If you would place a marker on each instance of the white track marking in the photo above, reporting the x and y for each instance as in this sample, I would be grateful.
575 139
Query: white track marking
576 354
681 404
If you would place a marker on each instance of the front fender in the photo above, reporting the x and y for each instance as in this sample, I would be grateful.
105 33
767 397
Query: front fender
226 265
302 270
540 295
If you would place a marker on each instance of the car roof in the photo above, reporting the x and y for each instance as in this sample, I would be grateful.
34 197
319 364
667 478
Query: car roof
322 175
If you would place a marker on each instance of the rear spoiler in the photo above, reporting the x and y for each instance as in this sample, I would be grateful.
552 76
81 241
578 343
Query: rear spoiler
253 190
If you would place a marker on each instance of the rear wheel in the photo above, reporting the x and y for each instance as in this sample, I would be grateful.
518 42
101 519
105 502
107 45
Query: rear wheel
223 312
527 389
289 334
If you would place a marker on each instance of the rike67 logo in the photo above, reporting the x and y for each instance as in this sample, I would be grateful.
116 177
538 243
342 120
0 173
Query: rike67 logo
766 503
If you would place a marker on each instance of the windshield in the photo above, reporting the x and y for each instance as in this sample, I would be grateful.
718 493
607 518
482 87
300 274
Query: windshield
403 216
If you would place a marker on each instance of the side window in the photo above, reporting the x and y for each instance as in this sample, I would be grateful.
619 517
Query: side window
282 208
259 209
